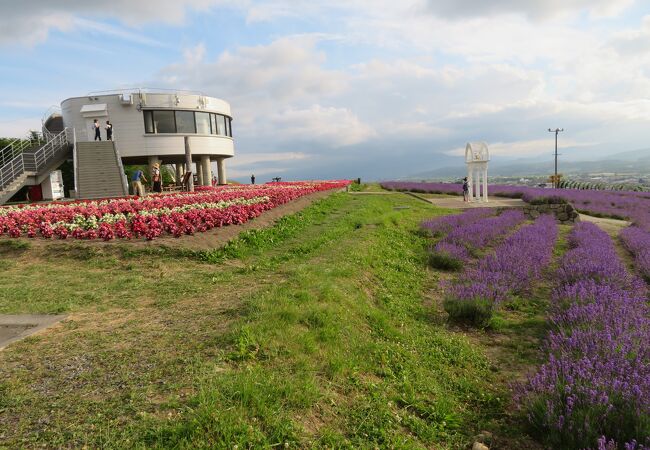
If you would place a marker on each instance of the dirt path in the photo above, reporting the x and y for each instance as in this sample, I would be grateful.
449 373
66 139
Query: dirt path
456 202
611 226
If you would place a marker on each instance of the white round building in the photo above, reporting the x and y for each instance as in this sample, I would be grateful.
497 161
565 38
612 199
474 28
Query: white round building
149 127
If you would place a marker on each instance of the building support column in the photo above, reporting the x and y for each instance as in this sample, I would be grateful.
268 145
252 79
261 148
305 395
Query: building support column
188 163
206 170
470 183
221 171
485 185
199 173
152 160
179 172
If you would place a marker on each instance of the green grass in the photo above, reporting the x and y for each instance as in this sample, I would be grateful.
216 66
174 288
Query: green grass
312 333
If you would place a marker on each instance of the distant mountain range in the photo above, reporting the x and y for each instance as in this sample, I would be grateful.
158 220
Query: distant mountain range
634 162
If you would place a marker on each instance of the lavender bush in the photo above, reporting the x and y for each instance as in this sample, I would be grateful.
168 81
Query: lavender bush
467 236
510 269
443 224
596 381
637 242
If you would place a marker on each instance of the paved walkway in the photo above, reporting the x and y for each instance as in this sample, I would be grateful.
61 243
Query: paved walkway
456 202
16 327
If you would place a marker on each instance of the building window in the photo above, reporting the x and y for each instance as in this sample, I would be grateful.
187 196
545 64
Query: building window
164 122
185 122
213 123
221 125
202 123
148 122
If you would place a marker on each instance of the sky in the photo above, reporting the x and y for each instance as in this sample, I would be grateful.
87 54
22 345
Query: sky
351 88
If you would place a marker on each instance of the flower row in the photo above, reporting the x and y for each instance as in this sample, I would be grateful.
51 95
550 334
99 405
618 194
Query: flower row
509 270
467 238
151 216
444 224
637 242
596 381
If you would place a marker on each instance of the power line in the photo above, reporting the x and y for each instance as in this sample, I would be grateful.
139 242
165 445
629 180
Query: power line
556 181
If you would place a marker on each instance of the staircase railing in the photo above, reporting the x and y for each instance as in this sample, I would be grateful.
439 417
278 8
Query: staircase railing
13 149
41 157
15 160
10 171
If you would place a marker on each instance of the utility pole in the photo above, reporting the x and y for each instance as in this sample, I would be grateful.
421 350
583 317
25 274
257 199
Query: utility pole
556 181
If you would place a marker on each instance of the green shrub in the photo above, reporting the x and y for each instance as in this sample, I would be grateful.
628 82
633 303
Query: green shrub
476 311
550 200
444 261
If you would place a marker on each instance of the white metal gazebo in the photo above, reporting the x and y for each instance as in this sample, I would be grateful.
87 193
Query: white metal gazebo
477 156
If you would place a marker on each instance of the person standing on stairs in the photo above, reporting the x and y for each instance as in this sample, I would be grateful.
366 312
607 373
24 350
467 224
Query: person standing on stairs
96 126
109 130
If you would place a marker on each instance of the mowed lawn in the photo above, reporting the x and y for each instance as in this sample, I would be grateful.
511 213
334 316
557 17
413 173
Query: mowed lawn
321 331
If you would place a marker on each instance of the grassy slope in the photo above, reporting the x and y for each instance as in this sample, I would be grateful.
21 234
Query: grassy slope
311 333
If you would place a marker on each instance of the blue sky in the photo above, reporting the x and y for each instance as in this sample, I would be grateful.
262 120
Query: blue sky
376 89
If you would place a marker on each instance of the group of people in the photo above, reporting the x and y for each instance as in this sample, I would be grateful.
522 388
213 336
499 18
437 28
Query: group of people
138 178
108 128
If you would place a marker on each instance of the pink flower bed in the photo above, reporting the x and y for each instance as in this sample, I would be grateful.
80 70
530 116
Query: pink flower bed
154 215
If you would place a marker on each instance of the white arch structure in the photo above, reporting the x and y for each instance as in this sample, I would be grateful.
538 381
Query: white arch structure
477 156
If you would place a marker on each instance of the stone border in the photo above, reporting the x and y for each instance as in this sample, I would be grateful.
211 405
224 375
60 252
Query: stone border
563 212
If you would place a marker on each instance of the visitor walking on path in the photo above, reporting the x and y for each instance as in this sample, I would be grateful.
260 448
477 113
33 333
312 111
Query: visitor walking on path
136 182
96 126
109 131
156 178
465 190
253 179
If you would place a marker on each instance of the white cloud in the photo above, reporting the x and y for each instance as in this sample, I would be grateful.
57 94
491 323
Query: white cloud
530 8
30 21
249 159
534 147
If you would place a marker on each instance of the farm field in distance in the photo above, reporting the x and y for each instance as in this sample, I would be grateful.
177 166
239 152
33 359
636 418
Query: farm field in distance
344 325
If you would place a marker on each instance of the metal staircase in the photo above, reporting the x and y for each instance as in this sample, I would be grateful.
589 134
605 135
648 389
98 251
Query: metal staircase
29 162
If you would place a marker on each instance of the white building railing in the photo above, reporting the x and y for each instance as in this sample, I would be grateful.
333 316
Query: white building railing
16 159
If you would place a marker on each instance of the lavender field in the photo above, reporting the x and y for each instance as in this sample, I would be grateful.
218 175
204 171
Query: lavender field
590 386
633 206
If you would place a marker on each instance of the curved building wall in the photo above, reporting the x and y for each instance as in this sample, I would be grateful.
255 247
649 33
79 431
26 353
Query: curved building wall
137 141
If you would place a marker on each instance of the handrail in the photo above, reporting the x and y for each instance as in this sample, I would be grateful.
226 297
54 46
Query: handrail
120 165
10 171
38 159
145 90
13 149
15 161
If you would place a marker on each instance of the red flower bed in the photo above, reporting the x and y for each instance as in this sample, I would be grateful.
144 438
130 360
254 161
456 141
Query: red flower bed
154 215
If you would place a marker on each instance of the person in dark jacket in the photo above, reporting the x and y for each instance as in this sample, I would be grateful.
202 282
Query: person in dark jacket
156 177
96 127
465 190
253 179
109 131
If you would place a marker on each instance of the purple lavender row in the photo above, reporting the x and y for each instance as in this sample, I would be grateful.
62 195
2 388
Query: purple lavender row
594 390
444 224
465 238
637 242
512 267
630 205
